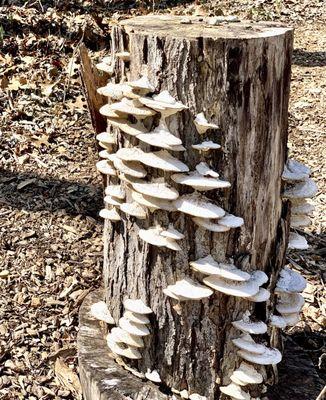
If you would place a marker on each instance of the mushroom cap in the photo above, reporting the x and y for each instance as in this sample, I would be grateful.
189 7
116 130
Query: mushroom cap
247 374
172 244
136 306
302 207
128 352
132 129
108 112
248 326
160 137
262 295
112 214
199 182
291 319
123 55
168 292
207 265
295 171
153 236
172 233
115 91
115 191
271 356
209 225
235 392
299 220
198 206
121 336
202 125
112 201
105 168
196 396
206 146
232 288
204 169
143 84
136 317
100 311
278 321
151 202
297 241
129 179
106 137
132 168
190 289
106 146
158 190
237 381
246 342
153 376
134 209
290 281
259 276
231 221
133 328
105 67
301 190
130 106
289 303
104 154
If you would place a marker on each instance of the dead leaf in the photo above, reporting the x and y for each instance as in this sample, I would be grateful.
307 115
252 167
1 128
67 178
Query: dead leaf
67 377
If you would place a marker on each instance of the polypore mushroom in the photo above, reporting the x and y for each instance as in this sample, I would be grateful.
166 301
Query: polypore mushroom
204 169
105 154
299 220
164 103
297 241
159 190
131 168
133 107
289 303
196 396
112 201
133 328
248 326
270 356
100 311
278 321
105 67
136 317
291 319
152 203
123 55
153 236
202 125
200 182
302 207
106 138
160 137
108 112
262 295
105 168
209 225
246 342
198 206
184 394
134 209
247 374
153 376
111 215
132 129
172 233
301 190
233 288
115 191
206 146
136 306
142 84
188 289
117 91
235 392
231 221
295 171
120 349
259 276
290 282
168 292
207 265
121 336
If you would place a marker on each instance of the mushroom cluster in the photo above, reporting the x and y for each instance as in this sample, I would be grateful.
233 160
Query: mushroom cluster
299 188
126 339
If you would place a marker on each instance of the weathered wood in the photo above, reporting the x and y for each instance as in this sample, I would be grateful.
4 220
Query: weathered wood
239 75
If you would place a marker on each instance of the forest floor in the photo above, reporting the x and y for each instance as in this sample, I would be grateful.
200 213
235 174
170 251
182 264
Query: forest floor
50 192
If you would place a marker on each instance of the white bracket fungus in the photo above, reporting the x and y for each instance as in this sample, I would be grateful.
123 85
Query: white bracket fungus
235 392
289 303
297 241
153 376
134 209
200 182
121 349
123 55
105 67
112 201
142 84
290 282
202 125
248 326
154 236
295 171
164 103
104 154
132 168
152 203
105 168
106 138
132 107
132 129
115 191
136 306
247 374
101 312
271 356
206 146
301 190
210 225
297 221
136 317
159 190
246 342
278 321
117 91
204 169
301 206
262 295
133 328
121 336
111 215
188 289
198 206
108 112
232 288
291 319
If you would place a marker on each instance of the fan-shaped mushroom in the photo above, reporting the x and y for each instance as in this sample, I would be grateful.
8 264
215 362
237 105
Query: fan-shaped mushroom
304 189
271 356
232 288
290 282
235 392
115 191
137 306
133 328
202 125
200 182
248 326
204 169
111 215
100 311
247 374
188 289
297 241
133 107
289 303
105 168
198 206
142 84
246 342
152 203
134 209
159 190
121 336
206 146
209 225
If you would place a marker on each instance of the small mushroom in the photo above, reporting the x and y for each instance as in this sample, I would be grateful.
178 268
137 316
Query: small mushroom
153 376
152 203
289 303
134 209
113 201
200 182
231 221
131 168
295 171
123 55
233 288
105 154
235 392
136 317
271 356
100 311
196 396
208 266
111 215
297 221
108 112
246 342
136 306
202 125
164 103
142 84
247 374
105 67
133 328
132 129
115 191
302 207
184 394
278 321
301 190
198 206
297 241
259 276
117 91
172 233
168 292
105 168
121 336
248 326
158 190
209 225
153 236
160 137
262 295
120 349
106 138
131 106
290 282
291 319
204 169
188 289
206 146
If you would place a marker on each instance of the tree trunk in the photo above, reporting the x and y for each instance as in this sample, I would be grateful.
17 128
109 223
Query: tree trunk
239 76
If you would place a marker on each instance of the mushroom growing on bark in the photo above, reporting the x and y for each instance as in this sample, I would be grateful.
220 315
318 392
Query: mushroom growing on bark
188 289
202 125
198 206
248 326
297 241
101 312
111 214
247 374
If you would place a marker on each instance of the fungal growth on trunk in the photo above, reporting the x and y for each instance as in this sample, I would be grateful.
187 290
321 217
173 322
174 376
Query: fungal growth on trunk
192 213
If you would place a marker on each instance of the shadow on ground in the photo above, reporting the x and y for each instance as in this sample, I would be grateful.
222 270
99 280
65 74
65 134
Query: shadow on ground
309 58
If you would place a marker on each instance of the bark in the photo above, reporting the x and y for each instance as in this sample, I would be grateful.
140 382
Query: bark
240 78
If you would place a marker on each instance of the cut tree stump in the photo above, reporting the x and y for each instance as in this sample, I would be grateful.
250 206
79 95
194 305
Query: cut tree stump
238 74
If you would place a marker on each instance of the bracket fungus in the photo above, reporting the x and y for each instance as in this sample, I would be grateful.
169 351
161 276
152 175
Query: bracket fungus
202 125
117 91
108 112
301 190
154 236
132 107
142 84
112 201
134 209
208 266
111 214
132 129
101 312
161 137
136 317
262 295
153 376
116 191
131 168
248 326
136 306
106 66
200 182
105 168
121 349
159 190
133 328
210 225
152 203
164 103
289 303
123 55
290 282
278 321
104 154
235 392
270 356
204 169
188 289
291 319
121 336
106 138
198 206
206 146
301 206
247 343
231 221
247 374
297 221
233 288
295 171
297 241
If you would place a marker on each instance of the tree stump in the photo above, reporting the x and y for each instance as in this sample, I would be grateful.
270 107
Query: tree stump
238 74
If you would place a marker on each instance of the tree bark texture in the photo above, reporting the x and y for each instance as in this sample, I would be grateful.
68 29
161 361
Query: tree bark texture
239 76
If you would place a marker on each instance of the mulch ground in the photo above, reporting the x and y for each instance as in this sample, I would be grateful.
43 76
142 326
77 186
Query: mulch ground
50 193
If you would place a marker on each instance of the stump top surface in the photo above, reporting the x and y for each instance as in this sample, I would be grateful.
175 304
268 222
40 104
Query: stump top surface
172 25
